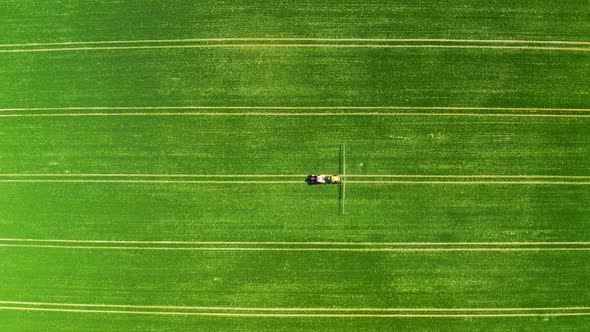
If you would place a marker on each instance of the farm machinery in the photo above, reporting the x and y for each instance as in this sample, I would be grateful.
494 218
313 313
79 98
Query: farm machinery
323 179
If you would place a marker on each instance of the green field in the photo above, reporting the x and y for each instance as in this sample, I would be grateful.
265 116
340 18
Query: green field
152 158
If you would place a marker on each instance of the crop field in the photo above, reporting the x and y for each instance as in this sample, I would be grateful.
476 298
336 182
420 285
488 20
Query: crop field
153 157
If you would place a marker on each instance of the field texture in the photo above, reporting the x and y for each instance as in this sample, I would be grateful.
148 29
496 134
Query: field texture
152 158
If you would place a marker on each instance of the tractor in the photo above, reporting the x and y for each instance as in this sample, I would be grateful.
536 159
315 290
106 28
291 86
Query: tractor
323 179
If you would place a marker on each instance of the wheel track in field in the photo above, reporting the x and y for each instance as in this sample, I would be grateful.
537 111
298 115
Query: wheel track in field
417 176
286 312
243 179
184 40
292 108
294 111
290 246
543 45
274 114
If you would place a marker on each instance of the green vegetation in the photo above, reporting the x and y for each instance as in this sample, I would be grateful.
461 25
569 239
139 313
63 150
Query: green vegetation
293 212
494 151
270 76
72 20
